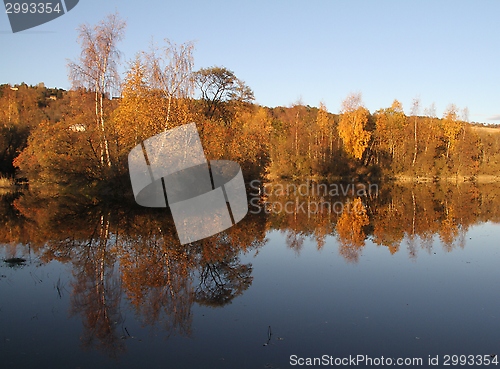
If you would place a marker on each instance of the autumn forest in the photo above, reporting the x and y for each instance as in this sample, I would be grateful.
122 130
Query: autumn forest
81 138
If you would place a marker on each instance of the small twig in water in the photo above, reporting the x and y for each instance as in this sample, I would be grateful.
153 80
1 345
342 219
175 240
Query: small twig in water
269 335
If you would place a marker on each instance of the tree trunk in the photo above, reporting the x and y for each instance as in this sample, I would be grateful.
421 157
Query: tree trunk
104 138
168 110
98 121
416 146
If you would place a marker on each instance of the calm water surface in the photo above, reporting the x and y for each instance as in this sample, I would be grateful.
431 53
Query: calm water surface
413 274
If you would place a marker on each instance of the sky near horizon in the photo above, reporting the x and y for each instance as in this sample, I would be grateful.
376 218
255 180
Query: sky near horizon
441 52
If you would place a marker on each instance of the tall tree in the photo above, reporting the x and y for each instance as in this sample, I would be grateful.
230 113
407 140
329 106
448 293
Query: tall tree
325 131
415 109
353 126
170 70
430 125
389 128
219 85
96 70
132 121
452 127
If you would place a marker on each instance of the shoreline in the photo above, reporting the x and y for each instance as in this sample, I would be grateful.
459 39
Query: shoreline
481 178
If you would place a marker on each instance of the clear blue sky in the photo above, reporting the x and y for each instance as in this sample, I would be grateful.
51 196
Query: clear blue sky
440 51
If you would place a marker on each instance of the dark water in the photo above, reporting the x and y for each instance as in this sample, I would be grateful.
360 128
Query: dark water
411 272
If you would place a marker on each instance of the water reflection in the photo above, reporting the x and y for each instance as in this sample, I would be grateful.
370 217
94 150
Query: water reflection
122 252
118 251
391 217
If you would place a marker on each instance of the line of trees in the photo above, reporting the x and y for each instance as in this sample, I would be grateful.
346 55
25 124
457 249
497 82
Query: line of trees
84 135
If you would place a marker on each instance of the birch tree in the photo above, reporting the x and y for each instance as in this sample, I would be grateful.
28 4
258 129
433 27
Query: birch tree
170 71
324 127
452 127
415 109
389 127
353 126
97 69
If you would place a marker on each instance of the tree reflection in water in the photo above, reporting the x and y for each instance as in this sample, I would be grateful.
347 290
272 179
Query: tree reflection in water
97 290
121 252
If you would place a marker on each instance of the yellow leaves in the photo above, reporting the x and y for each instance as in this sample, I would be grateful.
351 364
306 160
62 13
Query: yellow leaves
350 229
9 112
390 126
214 136
256 122
245 140
352 130
131 117
449 229
452 127
143 111
322 120
56 153
397 106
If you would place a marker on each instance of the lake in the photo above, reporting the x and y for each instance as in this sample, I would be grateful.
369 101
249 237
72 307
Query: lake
404 272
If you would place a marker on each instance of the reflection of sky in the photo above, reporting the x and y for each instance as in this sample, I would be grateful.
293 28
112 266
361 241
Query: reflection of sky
34 320
384 302
315 302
